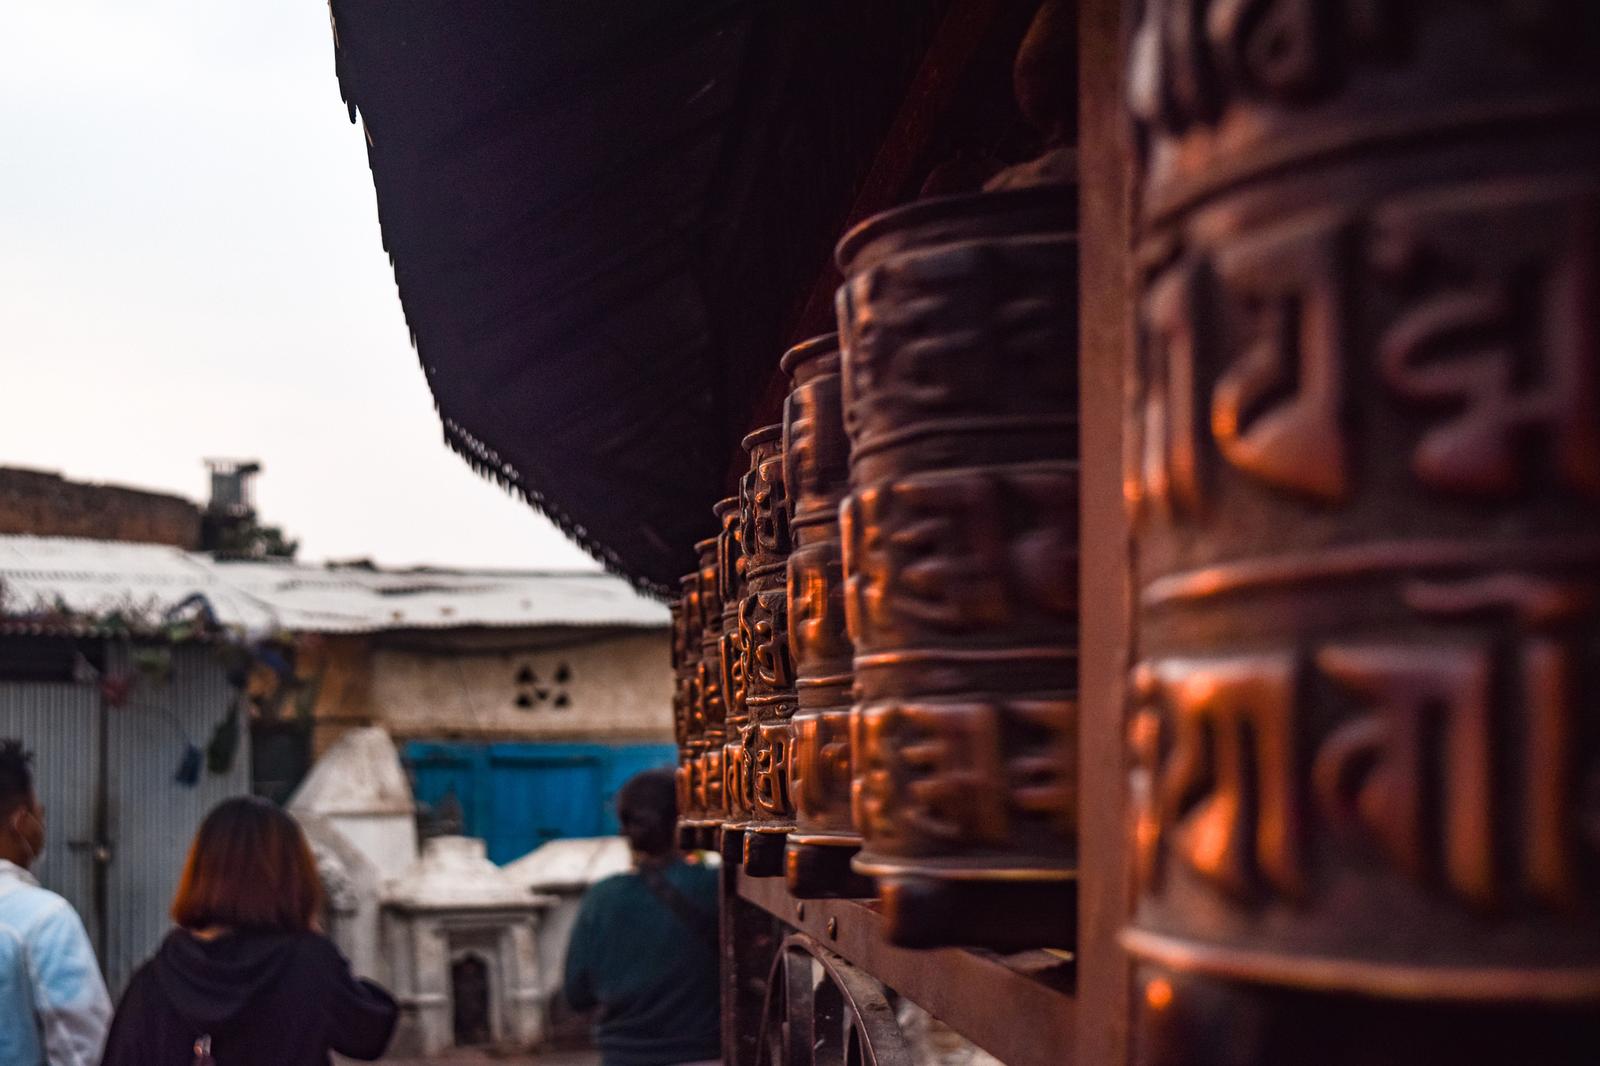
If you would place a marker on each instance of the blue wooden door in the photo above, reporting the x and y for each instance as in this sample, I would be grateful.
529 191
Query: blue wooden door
519 796
443 772
537 796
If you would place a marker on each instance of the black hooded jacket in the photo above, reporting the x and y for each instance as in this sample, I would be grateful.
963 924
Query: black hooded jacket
265 999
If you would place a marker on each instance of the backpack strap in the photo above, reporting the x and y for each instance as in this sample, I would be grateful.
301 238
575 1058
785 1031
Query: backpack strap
703 925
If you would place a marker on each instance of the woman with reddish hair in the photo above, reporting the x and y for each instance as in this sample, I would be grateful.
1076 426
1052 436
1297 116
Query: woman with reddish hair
246 979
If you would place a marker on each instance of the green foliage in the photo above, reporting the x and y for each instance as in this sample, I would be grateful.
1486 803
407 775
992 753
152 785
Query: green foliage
251 541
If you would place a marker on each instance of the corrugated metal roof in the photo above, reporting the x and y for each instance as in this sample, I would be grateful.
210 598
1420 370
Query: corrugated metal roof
42 576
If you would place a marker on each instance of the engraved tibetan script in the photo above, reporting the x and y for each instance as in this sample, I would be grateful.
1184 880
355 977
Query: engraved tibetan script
1191 59
764 518
1499 334
821 775
1430 749
1169 453
1224 797
816 455
736 783
1276 412
1556 760
935 776
816 608
960 553
765 644
1431 709
770 768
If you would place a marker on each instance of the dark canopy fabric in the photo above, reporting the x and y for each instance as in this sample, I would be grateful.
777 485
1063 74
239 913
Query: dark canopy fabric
601 214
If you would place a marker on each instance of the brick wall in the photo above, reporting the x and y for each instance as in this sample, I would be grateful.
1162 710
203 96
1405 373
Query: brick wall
48 505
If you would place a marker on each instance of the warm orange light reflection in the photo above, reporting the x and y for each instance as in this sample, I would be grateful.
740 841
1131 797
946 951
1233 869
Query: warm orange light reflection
1158 994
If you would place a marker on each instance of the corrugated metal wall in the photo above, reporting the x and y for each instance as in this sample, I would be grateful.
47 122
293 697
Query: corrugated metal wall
152 818
57 722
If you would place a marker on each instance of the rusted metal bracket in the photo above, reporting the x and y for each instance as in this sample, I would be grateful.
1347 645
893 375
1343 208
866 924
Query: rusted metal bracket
979 994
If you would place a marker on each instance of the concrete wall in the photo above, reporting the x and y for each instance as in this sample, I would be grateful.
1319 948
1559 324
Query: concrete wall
615 688
486 685
48 505
338 671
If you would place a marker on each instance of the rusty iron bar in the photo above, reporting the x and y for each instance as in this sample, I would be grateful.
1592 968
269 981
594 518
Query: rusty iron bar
1019 1008
822 1011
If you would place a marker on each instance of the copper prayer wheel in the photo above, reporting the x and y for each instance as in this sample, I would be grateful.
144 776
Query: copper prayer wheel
726 571
816 456
958 318
1365 491
705 758
690 708
763 637
682 685
730 657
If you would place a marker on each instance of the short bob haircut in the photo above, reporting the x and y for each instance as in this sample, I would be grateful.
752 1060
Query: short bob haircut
647 808
249 868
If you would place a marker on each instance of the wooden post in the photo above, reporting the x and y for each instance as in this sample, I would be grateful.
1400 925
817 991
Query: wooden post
1105 328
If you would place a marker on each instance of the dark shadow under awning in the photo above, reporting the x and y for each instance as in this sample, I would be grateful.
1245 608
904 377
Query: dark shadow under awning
601 216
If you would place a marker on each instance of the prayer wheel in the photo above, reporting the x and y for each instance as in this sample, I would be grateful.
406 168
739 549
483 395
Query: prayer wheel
706 762
711 759
763 636
689 693
958 320
1364 484
682 675
816 456
730 659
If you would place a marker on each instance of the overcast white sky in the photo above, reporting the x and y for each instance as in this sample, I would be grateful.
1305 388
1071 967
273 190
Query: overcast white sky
190 266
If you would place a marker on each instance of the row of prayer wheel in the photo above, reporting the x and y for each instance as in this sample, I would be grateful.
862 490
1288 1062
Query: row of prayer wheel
876 658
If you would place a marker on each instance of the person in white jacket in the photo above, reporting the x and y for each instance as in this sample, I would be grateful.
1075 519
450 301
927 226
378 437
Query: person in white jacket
54 1010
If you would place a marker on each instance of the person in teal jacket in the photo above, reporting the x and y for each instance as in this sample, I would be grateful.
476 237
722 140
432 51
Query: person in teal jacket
644 947
54 1010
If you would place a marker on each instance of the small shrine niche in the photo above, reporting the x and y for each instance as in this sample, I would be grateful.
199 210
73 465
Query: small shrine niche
462 943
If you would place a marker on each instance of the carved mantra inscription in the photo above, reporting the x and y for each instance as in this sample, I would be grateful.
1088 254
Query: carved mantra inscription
1487 334
935 777
770 768
966 330
1193 58
965 552
1192 61
820 775
736 773
765 646
817 637
711 777
1432 747
730 656
708 685
764 519
816 454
